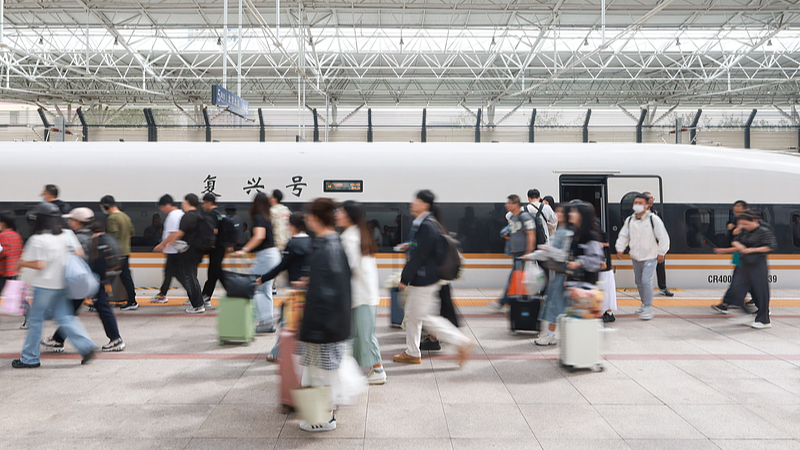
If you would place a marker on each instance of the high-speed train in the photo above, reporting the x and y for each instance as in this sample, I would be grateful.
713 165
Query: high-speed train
694 188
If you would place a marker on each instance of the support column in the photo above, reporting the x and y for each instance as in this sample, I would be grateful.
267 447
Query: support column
586 126
84 126
424 135
316 126
642 116
693 128
46 124
478 127
152 130
208 124
747 128
369 125
262 134
530 127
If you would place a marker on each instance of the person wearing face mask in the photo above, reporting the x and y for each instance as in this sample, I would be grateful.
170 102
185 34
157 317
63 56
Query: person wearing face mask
646 237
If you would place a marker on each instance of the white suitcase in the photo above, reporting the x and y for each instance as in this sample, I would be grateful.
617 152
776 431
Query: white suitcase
580 343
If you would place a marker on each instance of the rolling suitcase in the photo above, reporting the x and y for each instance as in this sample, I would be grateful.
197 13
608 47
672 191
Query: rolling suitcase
580 341
289 367
235 320
397 310
524 313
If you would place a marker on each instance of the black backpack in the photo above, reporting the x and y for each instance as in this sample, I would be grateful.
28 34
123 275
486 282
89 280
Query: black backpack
228 234
448 254
204 238
541 225
105 256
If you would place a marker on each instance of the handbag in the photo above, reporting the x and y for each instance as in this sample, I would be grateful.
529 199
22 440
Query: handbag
13 298
313 404
79 279
239 285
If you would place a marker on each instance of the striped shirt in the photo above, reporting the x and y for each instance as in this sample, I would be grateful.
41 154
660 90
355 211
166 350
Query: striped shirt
11 242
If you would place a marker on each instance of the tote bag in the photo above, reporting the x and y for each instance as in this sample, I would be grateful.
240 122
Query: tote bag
313 404
13 298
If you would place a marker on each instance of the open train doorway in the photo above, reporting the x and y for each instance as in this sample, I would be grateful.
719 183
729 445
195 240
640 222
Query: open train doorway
586 188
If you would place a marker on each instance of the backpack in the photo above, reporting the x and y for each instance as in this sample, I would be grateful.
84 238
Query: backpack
105 255
204 237
541 225
228 234
448 254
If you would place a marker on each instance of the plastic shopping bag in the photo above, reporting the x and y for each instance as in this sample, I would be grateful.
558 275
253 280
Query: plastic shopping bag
535 278
351 383
13 298
80 281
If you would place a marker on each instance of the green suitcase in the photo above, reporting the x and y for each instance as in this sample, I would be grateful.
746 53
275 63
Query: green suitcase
235 320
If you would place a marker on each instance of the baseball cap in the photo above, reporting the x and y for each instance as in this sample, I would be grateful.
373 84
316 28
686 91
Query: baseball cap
80 214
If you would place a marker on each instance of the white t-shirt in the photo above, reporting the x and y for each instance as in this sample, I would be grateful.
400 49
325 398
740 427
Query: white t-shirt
171 224
53 251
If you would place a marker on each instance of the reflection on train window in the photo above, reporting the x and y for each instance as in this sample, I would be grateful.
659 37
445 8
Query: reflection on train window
796 229
706 227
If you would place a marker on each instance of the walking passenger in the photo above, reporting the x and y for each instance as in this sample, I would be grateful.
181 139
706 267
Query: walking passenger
279 215
50 195
521 238
644 233
360 250
420 277
536 206
119 225
189 254
558 251
172 225
606 277
326 319
733 231
45 254
661 267
10 251
97 247
753 243
217 254
267 256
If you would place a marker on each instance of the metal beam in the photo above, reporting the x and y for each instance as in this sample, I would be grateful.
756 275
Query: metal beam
747 128
208 124
586 126
84 125
262 134
424 133
478 126
46 124
316 126
693 127
642 116
530 127
369 125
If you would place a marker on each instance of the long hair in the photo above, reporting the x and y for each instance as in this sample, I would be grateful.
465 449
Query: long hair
355 211
47 224
585 232
260 206
7 217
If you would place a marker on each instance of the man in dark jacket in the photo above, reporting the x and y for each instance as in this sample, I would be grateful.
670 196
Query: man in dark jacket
217 254
422 282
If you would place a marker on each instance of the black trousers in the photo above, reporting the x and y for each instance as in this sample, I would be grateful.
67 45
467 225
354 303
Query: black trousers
127 280
186 273
446 308
103 310
661 274
214 270
753 278
170 272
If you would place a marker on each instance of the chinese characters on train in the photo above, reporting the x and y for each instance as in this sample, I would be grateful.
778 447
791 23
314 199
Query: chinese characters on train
253 184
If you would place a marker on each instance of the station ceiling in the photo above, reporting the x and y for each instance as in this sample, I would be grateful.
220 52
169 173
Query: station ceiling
417 53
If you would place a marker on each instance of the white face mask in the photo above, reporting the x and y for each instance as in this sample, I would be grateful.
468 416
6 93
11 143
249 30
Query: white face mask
638 209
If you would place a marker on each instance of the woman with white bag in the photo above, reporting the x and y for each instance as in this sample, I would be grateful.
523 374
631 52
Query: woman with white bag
45 255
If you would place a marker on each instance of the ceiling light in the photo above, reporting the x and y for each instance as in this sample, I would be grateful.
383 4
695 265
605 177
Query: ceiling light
585 42
769 43
41 41
493 42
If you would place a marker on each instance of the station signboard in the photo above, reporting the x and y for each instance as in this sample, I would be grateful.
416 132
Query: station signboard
226 99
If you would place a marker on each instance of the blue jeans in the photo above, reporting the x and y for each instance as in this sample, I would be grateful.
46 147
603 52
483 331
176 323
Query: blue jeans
554 302
71 326
266 260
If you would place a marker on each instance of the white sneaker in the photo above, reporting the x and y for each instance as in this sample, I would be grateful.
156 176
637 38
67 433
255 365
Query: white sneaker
329 426
376 377
760 326
198 310
639 311
647 314
546 340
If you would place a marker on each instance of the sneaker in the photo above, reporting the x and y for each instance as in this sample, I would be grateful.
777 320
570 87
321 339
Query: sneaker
760 326
329 426
129 306
497 306
17 364
207 303
159 299
376 378
639 311
53 345
429 345
750 304
405 358
24 325
187 303
264 327
722 308
87 358
608 317
274 292
198 310
666 292
114 346
647 314
545 340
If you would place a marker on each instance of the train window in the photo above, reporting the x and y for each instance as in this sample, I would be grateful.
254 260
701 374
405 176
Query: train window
796 229
706 227
626 204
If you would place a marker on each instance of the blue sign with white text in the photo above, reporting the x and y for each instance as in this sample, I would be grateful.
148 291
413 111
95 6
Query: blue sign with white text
225 98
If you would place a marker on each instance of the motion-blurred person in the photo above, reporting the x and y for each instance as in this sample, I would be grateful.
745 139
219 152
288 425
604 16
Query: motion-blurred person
262 244
421 279
661 267
644 233
536 205
279 215
753 243
585 256
293 261
10 251
119 225
172 225
50 195
186 262
360 250
606 277
326 319
733 231
521 239
217 254
46 255
558 250
96 245
152 234
238 225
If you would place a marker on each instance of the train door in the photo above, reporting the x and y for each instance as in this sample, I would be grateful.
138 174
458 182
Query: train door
587 188
621 190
